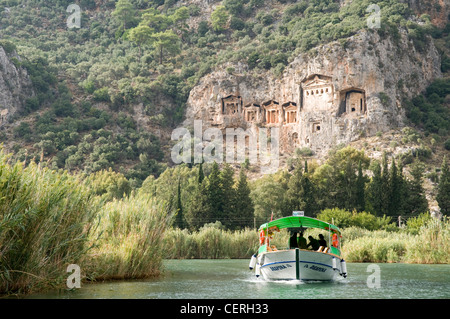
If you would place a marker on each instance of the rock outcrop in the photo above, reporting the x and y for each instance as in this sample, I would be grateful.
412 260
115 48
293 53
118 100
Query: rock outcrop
15 86
337 93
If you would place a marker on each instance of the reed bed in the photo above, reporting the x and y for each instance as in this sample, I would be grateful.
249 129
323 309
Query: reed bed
429 246
50 219
127 244
210 242
45 220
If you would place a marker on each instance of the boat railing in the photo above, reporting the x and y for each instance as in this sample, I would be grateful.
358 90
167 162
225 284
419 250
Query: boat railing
325 250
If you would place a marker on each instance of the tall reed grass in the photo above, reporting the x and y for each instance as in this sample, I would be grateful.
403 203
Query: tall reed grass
45 220
51 219
429 246
210 242
127 243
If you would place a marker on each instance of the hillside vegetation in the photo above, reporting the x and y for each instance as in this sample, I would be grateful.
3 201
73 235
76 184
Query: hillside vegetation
110 92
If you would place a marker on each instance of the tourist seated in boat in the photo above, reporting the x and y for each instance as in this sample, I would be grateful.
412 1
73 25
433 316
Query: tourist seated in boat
293 241
302 242
322 241
313 243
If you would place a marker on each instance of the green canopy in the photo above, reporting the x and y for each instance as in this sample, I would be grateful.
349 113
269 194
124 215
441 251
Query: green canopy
300 221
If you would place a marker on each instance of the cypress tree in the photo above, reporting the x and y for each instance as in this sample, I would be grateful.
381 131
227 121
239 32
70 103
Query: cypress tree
375 191
228 192
384 186
199 209
179 218
394 204
244 209
443 195
347 198
402 190
360 190
201 175
214 196
416 201
295 188
307 194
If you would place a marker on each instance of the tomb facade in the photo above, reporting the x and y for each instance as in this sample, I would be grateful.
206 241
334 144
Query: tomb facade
316 93
313 120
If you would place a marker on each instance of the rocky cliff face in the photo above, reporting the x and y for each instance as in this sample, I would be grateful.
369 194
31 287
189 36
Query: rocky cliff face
335 94
15 86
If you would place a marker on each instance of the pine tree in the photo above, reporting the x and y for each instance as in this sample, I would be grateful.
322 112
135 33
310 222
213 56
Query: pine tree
124 12
141 35
219 18
244 209
443 195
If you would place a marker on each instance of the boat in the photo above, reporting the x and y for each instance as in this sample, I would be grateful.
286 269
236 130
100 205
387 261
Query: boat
297 263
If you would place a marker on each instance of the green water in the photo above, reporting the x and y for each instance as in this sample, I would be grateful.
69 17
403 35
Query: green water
231 279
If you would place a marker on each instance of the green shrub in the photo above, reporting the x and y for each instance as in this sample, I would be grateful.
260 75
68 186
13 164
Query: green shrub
102 95
447 144
343 219
414 224
339 217
8 46
385 99
88 86
23 131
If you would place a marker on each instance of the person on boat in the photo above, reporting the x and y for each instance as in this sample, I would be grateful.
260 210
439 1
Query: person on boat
302 242
293 241
322 241
313 243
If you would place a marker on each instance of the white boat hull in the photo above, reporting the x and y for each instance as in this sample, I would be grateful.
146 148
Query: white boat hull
312 266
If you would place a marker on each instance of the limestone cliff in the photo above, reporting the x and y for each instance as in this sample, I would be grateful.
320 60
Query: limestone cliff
15 86
336 93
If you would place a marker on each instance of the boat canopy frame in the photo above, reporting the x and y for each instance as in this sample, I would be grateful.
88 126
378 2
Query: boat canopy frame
300 222
293 223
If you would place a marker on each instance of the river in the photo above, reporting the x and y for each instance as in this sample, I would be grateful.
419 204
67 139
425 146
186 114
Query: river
231 279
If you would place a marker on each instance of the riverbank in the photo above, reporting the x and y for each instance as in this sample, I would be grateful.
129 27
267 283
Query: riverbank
51 219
